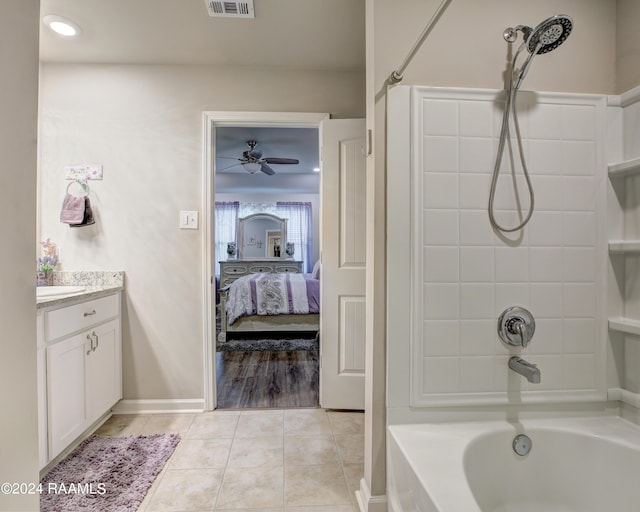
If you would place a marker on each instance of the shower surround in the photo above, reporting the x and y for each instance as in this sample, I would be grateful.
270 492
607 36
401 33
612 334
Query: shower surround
443 312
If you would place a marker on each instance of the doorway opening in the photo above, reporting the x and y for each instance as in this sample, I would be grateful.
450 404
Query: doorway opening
266 222
262 365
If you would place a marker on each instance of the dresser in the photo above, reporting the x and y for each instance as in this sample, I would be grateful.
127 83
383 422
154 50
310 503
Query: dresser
230 270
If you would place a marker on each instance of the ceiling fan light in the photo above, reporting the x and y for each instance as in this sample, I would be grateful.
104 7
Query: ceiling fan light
252 167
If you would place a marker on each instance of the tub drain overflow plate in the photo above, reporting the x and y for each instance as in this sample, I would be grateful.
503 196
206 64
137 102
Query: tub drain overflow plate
522 444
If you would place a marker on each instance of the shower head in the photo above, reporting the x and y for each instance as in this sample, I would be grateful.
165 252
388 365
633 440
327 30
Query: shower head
549 34
546 37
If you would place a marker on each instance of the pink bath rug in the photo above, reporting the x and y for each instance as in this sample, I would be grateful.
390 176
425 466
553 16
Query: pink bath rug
106 474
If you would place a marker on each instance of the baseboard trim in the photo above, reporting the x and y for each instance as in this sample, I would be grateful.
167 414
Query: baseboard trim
159 406
368 503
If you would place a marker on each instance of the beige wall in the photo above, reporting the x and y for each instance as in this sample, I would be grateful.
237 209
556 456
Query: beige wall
144 125
18 129
627 45
466 49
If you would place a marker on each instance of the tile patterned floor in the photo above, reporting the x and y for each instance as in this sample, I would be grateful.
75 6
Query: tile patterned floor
274 460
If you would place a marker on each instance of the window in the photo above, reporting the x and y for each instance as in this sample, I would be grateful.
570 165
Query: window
299 230
226 215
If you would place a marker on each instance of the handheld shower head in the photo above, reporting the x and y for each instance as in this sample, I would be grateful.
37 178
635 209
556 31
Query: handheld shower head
549 34
546 37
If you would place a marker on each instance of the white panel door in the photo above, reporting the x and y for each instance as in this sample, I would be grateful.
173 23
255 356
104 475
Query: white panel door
343 223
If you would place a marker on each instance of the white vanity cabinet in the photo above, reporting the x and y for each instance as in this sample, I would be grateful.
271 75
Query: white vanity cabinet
82 344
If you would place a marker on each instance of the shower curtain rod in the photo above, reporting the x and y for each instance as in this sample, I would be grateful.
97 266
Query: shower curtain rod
396 76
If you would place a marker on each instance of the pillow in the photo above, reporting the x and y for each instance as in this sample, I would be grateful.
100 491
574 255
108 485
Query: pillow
315 273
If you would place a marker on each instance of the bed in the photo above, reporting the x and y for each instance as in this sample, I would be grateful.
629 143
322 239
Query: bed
288 302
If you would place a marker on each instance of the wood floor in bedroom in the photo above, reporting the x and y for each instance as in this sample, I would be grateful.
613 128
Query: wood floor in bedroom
267 379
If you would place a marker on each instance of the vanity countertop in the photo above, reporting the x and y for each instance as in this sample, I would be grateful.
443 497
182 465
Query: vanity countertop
96 284
90 292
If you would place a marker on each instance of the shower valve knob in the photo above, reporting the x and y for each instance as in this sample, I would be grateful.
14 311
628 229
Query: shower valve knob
516 326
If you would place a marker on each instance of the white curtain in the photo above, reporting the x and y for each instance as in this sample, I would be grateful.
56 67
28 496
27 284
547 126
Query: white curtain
299 230
226 217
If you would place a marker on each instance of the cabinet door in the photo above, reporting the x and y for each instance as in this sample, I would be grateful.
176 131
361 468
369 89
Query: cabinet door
104 382
67 404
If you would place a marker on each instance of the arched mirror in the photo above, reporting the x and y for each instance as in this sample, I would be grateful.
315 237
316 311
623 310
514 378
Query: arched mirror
261 235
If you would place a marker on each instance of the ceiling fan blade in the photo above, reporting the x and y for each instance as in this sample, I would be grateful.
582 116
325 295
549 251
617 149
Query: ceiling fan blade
229 166
273 160
267 170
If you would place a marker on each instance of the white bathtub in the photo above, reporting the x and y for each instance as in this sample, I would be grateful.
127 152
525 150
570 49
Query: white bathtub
575 465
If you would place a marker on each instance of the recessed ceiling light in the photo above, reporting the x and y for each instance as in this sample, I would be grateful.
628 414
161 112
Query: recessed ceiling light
62 26
316 169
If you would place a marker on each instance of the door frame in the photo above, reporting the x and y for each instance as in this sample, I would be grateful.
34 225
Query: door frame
211 120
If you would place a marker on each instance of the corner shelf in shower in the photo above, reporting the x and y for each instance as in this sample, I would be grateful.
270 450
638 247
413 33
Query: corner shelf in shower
626 168
622 170
626 325
624 246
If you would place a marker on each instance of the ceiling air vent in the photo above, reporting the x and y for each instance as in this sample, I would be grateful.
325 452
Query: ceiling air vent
233 9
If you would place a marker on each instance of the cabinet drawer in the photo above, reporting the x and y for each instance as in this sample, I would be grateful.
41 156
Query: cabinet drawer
283 269
261 269
235 270
227 281
63 321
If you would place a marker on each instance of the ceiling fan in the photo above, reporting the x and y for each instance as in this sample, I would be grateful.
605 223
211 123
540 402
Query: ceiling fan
252 160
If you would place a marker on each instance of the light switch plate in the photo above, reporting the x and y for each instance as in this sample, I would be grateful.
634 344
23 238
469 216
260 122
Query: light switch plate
188 219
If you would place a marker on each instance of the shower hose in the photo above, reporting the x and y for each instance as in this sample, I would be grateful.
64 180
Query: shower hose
510 106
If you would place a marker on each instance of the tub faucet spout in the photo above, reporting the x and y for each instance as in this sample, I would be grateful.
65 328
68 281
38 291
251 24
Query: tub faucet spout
528 370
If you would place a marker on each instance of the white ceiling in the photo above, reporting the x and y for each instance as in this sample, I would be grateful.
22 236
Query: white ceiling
292 34
295 34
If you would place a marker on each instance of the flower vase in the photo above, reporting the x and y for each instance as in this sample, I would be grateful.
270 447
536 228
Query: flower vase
44 278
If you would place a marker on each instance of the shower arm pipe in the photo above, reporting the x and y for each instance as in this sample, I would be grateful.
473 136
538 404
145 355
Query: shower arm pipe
397 75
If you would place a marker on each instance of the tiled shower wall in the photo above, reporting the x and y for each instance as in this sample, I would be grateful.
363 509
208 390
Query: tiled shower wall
464 274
